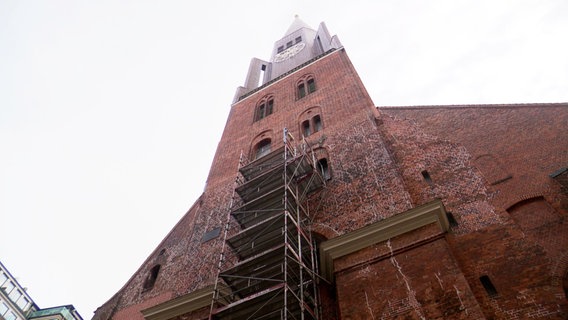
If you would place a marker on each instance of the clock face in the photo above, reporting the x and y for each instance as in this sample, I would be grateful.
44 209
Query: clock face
289 52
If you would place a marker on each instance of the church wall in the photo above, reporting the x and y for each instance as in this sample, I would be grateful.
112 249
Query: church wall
489 166
521 249
412 276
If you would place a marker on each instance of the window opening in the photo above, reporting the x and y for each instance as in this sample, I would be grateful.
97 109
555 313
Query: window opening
426 176
323 168
317 123
306 128
298 39
311 85
280 49
451 219
488 285
261 111
152 276
306 86
301 90
261 75
264 109
289 44
262 148
269 106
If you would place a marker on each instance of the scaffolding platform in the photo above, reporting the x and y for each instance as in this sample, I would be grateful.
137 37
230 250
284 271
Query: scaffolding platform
275 273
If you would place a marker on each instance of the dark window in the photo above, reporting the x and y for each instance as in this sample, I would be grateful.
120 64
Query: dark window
269 106
317 123
280 49
306 128
298 39
301 90
306 86
311 85
488 285
323 168
451 219
264 109
262 148
289 44
151 278
261 111
426 176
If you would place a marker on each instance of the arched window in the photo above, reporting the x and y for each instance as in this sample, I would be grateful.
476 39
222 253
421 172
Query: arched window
262 148
311 126
305 86
323 168
311 85
316 121
264 108
306 131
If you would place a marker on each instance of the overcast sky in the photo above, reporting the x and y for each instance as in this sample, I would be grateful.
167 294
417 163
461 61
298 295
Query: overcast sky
111 110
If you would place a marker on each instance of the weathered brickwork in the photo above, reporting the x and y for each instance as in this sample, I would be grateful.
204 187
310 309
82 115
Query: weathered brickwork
424 282
489 165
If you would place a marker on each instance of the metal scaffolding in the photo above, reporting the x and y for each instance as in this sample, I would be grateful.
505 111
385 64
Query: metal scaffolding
271 272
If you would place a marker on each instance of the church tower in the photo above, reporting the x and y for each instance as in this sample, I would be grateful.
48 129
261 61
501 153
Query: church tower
319 205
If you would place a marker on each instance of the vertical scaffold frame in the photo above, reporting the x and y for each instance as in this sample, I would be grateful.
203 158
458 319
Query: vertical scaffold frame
270 271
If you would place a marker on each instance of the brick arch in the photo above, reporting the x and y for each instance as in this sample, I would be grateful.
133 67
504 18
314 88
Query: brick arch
262 107
309 112
324 230
532 211
266 134
303 81
308 116
304 77
525 198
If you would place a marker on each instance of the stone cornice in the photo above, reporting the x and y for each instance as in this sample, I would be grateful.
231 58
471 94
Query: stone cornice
432 212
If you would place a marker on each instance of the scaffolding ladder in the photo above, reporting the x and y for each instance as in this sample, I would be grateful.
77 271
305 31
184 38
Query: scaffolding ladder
270 272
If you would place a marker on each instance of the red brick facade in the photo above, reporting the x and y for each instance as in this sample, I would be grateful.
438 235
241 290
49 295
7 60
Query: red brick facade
489 165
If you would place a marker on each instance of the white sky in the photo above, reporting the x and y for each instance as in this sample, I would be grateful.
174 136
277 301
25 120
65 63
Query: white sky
110 110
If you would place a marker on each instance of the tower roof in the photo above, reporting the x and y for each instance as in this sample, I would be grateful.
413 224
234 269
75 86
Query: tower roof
296 24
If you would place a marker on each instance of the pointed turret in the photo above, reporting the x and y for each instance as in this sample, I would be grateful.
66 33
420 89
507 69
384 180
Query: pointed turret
299 45
296 25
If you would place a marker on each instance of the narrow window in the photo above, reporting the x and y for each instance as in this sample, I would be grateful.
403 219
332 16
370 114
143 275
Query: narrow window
261 112
426 176
306 128
269 106
316 123
453 222
280 49
264 108
289 44
301 90
324 169
262 148
488 285
311 85
298 39
151 278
